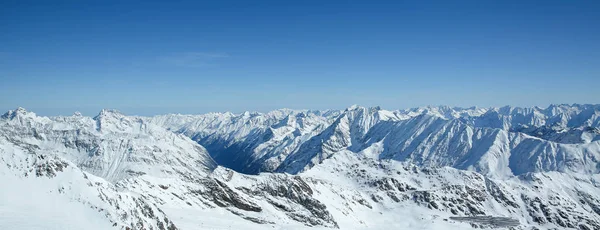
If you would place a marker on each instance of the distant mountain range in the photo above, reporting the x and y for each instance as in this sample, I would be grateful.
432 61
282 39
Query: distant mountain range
358 168
497 142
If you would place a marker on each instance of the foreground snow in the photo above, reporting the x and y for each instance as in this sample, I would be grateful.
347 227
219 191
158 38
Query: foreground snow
29 203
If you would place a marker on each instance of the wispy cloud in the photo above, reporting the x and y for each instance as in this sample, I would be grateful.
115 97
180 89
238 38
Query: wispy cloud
192 59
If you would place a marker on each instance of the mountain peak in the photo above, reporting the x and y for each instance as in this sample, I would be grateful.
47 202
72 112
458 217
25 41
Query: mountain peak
354 107
19 112
105 113
249 114
109 118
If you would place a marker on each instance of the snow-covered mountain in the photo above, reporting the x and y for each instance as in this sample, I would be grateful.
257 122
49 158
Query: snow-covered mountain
249 142
110 145
128 171
360 168
497 142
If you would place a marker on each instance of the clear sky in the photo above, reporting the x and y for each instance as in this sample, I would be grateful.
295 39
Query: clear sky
144 58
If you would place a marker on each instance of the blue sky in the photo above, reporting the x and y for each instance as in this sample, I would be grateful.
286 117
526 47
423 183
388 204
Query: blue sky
199 56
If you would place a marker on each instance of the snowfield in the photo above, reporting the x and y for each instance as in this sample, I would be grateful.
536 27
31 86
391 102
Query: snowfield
359 168
26 203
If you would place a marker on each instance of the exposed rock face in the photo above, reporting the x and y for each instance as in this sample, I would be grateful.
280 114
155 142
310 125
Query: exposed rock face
488 221
219 193
288 194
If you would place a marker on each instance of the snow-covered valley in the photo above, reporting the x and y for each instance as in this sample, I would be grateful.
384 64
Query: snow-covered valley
358 168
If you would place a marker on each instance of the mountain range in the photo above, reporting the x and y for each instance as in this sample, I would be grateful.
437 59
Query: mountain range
359 168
